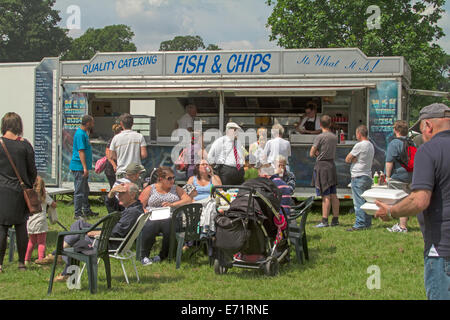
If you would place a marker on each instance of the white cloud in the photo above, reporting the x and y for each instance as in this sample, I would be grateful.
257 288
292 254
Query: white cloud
158 3
236 45
128 8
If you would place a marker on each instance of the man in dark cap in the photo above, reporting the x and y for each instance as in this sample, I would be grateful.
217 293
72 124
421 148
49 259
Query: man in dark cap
430 197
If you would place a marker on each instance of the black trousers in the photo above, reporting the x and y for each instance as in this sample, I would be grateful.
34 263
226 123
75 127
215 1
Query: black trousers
21 238
149 233
231 175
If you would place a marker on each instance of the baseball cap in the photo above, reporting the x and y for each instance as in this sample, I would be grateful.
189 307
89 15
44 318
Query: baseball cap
232 125
432 111
133 168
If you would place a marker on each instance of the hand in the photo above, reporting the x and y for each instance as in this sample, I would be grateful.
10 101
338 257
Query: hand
85 173
53 205
167 204
382 212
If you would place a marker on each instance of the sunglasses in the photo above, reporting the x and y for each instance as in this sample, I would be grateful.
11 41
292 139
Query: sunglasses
170 178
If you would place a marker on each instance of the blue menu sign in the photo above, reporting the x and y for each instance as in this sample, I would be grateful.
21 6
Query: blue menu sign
44 131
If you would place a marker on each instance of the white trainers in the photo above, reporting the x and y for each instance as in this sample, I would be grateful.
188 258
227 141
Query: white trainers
396 228
146 262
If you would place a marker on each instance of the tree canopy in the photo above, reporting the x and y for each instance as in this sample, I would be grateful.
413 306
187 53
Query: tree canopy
114 38
406 29
29 31
186 43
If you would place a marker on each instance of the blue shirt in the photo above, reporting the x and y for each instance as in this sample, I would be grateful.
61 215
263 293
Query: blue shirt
394 149
432 172
285 190
81 142
203 191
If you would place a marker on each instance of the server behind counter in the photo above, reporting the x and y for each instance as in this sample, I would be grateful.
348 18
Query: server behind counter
310 124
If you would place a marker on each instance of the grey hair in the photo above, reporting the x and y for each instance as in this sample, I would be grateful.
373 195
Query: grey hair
278 127
133 188
280 158
266 169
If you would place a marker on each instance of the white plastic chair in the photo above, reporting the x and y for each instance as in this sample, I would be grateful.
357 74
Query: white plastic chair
123 252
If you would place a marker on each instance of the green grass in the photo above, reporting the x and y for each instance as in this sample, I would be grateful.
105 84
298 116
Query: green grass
337 269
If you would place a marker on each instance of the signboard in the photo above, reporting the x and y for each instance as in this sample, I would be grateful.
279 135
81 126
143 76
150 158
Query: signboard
45 124
258 63
383 110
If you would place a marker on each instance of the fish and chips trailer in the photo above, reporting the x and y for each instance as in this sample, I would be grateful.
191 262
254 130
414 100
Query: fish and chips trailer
252 88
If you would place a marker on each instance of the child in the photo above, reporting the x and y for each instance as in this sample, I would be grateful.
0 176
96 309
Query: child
37 224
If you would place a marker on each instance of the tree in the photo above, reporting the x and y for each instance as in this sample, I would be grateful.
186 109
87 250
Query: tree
29 31
186 43
114 38
406 29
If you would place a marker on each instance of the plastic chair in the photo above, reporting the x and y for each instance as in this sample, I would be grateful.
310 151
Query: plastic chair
108 222
123 252
297 232
185 226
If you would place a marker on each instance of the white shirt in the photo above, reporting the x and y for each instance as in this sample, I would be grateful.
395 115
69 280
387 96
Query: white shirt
185 122
127 146
364 152
222 152
317 124
275 147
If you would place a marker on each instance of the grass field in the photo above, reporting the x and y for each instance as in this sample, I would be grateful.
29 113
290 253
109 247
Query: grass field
339 268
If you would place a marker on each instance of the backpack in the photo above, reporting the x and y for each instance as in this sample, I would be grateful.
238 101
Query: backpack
406 158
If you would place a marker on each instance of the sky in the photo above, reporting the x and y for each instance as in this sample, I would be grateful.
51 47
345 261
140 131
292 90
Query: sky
230 24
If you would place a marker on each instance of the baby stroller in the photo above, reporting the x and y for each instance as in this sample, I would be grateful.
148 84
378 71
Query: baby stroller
246 234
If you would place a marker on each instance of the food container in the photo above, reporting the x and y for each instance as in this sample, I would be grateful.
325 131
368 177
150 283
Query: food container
388 196
369 208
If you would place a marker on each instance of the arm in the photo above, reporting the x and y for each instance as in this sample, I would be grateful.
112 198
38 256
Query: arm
184 199
31 164
145 195
313 152
144 152
412 205
216 180
350 158
389 169
83 162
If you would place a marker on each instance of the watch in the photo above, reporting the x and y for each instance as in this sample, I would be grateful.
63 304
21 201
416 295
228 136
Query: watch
389 212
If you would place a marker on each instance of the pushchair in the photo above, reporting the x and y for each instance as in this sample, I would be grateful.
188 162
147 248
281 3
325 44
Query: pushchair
247 229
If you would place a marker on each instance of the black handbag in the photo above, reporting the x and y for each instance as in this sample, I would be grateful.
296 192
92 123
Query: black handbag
30 195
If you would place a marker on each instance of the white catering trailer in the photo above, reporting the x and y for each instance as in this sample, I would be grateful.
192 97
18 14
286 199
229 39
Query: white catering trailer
253 88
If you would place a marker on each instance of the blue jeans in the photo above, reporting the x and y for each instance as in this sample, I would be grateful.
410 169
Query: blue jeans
437 278
359 185
81 193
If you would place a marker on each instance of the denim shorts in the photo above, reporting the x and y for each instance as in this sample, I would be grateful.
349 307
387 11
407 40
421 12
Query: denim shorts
330 190
437 278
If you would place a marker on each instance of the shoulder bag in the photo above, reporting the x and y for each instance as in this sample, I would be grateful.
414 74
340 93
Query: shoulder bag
30 195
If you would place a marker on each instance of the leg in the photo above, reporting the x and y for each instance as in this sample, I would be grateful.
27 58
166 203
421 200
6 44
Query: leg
326 206
3 242
359 185
165 228
86 207
149 233
78 192
41 241
31 243
437 278
404 222
22 241
335 205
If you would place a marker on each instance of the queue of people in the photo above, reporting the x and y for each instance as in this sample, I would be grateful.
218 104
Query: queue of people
428 185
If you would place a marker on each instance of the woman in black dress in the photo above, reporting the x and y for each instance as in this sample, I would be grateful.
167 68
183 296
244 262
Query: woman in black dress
13 209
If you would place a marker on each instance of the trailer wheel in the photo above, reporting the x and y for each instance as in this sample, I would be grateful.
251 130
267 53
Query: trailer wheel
218 269
272 267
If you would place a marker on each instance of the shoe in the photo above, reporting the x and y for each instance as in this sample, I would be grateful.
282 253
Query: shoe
396 228
45 261
334 223
61 278
356 229
156 259
238 257
322 225
79 217
90 214
146 262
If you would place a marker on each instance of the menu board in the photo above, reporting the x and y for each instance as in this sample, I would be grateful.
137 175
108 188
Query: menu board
74 110
383 111
45 119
